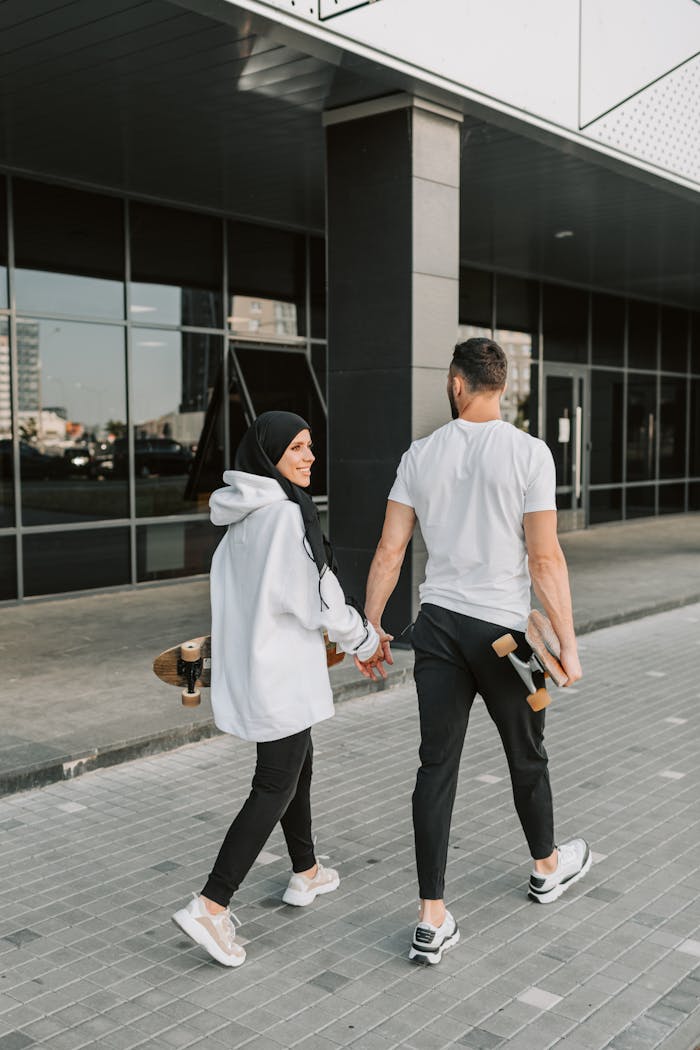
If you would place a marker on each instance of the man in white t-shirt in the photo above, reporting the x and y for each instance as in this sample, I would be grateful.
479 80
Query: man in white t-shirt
483 493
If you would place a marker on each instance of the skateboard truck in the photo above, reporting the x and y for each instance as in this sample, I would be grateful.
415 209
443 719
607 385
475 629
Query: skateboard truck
190 666
543 662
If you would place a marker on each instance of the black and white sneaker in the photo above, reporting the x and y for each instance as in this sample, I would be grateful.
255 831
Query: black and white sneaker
429 942
573 863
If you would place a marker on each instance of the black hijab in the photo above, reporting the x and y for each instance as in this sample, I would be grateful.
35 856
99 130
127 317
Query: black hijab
263 445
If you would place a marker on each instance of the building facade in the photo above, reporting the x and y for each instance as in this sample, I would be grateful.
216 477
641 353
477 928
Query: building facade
208 210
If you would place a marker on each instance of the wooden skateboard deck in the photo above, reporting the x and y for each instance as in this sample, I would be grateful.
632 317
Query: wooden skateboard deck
188 665
544 660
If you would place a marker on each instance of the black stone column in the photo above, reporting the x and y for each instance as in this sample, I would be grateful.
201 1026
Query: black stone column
393 271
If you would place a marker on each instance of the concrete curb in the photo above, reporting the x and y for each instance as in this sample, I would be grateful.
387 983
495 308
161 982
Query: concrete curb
67 767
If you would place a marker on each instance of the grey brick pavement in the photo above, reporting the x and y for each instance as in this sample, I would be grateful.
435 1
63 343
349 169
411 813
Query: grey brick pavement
92 868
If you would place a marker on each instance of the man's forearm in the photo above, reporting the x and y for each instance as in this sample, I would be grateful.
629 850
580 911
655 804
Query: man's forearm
383 577
550 580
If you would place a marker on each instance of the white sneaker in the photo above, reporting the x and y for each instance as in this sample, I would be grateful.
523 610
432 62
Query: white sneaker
215 933
429 942
573 863
302 891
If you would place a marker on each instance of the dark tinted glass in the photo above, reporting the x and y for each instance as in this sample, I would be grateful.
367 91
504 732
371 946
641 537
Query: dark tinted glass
517 304
176 267
71 408
642 334
55 562
607 389
694 495
695 428
640 502
672 428
7 495
178 423
277 380
534 402
475 297
608 330
69 251
695 343
180 549
8 571
674 340
564 323
266 277
3 244
672 499
319 361
641 427
605 505
317 263
559 427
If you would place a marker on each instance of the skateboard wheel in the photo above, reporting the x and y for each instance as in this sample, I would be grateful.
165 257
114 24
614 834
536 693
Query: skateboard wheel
191 699
539 699
190 651
504 645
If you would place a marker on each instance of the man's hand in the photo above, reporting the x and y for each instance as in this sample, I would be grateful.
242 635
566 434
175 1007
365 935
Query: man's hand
382 655
569 660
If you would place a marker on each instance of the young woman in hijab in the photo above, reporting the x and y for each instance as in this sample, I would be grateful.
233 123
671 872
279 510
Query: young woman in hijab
272 594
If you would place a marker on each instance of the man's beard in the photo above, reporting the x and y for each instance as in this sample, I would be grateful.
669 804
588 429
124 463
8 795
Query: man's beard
453 403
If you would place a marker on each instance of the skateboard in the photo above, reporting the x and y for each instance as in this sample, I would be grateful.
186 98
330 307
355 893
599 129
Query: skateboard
543 662
188 665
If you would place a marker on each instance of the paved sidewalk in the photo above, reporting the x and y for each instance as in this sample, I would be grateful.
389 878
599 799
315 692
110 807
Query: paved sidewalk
79 690
91 870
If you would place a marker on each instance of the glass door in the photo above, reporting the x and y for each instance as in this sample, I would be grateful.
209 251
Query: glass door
565 406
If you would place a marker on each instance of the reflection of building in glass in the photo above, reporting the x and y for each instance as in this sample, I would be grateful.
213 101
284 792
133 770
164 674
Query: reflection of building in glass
517 347
28 377
199 308
5 389
195 358
262 318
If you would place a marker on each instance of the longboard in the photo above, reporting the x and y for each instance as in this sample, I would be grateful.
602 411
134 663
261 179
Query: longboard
544 659
188 665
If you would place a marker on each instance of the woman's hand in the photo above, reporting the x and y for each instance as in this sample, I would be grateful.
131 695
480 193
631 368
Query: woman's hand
375 663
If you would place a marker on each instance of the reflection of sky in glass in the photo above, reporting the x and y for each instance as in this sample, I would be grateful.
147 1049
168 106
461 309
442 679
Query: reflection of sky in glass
64 293
156 303
3 287
157 373
82 370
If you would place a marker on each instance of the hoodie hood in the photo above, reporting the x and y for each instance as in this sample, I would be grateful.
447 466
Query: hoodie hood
241 495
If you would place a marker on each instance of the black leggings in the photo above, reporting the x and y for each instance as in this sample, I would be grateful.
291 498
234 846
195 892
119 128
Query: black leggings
280 792
454 661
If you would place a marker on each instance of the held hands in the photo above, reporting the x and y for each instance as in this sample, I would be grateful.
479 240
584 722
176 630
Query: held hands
367 668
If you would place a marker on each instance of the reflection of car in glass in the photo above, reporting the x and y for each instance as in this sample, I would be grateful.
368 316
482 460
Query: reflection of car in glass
33 463
78 460
152 456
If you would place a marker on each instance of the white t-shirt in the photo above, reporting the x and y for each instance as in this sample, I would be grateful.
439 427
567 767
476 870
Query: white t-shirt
470 484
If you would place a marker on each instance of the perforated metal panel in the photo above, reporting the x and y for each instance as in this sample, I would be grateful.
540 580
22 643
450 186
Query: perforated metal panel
660 125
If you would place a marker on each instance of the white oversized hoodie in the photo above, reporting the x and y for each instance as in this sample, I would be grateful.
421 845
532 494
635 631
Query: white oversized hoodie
269 677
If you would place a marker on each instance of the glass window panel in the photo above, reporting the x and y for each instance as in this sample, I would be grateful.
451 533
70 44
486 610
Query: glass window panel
55 562
71 408
672 498
176 376
515 403
607 389
694 495
534 399
279 380
564 323
176 267
640 501
7 473
319 362
674 340
3 244
517 304
69 251
317 290
8 568
164 552
695 428
642 334
608 330
641 427
605 505
475 297
695 343
672 428
267 279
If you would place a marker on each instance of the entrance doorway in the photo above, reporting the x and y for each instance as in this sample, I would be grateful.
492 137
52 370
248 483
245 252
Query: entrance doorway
565 415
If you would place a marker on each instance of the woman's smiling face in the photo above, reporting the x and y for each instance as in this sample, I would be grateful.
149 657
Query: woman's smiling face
295 464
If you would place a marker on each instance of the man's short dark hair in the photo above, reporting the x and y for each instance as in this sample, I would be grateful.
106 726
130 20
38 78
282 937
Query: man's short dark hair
482 363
